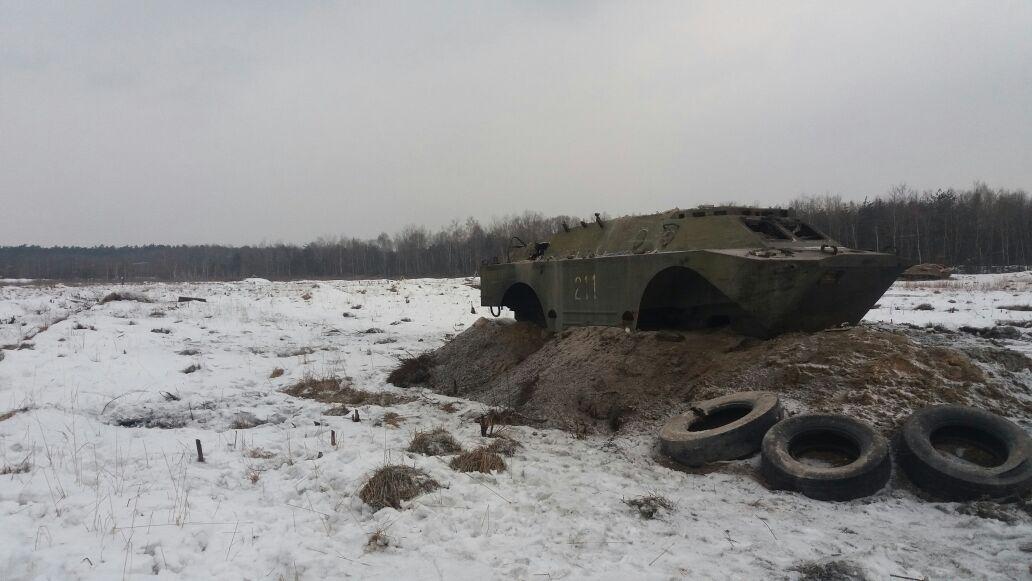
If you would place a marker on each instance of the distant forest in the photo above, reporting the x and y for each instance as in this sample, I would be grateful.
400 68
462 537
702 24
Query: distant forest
977 229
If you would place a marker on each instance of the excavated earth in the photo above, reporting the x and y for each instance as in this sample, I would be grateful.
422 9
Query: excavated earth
602 379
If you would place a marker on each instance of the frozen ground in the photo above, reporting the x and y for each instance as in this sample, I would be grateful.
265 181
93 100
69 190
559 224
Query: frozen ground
963 300
88 498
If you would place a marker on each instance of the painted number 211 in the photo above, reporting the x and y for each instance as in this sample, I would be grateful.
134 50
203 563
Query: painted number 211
585 288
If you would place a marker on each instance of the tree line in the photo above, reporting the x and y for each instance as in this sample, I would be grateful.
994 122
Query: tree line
976 229
415 251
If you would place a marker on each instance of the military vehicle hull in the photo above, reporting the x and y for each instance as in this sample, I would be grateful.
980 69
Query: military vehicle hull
761 289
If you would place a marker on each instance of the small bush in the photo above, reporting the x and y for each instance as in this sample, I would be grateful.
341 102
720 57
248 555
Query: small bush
276 372
480 460
390 485
924 307
436 442
412 371
192 368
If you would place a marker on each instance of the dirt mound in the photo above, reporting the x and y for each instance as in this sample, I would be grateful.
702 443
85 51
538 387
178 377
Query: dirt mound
601 379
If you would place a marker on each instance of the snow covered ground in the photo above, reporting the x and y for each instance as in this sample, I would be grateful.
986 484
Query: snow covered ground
976 300
89 496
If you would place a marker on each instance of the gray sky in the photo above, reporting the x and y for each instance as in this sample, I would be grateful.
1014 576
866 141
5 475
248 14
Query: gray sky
238 122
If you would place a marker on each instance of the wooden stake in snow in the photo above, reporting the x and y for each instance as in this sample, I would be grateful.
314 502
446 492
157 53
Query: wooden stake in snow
333 438
200 452
354 416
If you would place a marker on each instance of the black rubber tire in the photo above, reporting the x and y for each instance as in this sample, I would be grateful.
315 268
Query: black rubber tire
737 439
866 475
948 477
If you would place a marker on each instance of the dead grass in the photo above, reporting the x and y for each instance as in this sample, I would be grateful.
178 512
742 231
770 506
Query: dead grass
1015 307
259 454
276 372
392 419
412 371
392 484
505 446
449 407
254 473
481 459
435 442
125 296
337 390
19 468
10 414
649 505
379 540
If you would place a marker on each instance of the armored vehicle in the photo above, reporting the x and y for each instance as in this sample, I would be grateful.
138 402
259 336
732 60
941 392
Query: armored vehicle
760 270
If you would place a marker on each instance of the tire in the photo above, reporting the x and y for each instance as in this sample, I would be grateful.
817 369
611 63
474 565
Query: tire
985 436
839 436
723 428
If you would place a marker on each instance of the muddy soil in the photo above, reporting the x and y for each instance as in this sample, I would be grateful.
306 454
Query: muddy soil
600 379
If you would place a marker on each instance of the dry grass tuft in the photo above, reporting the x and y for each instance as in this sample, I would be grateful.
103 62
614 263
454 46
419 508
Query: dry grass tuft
379 540
19 468
412 371
276 372
480 460
392 419
254 473
12 413
125 296
649 505
505 446
259 454
436 442
392 484
336 390
449 407
1016 307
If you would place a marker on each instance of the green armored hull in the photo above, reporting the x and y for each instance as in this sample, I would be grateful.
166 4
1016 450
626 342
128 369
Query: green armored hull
760 270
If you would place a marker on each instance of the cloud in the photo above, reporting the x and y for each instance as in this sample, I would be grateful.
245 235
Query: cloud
127 122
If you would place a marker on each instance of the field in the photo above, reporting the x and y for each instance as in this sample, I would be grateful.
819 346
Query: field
103 400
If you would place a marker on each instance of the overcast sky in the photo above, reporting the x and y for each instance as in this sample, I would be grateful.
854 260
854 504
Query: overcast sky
242 122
